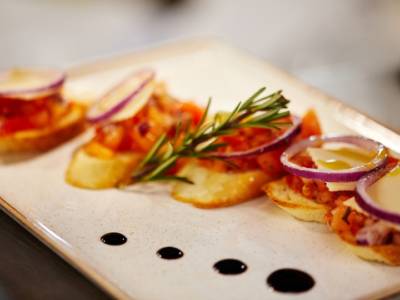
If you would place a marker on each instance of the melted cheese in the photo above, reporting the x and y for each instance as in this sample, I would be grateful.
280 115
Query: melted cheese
20 79
351 202
385 191
339 159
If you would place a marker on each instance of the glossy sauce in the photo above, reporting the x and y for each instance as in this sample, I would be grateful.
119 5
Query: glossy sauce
395 171
114 239
353 154
290 281
230 266
170 253
334 164
384 191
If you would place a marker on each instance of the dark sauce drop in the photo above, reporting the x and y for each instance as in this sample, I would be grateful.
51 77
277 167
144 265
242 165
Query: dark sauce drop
170 253
230 266
290 281
113 239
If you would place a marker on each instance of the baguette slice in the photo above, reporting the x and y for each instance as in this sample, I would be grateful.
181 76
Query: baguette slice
96 172
387 254
294 203
213 189
38 140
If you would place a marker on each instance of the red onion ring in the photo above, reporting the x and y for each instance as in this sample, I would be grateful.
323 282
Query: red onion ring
97 113
47 82
367 203
269 146
348 175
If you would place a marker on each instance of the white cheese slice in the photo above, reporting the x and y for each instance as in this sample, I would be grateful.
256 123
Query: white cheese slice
325 159
351 202
340 186
385 194
385 191
17 79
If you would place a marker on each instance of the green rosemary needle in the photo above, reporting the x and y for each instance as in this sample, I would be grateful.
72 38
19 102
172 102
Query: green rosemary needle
202 141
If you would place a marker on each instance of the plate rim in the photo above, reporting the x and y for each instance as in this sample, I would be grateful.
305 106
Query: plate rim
168 49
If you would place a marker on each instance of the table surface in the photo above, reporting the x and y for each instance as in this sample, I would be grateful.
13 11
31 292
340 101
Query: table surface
30 270
349 49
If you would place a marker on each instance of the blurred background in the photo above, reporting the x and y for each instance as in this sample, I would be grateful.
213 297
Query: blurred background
348 48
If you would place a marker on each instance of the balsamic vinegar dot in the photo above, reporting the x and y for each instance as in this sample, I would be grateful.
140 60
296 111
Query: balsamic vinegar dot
114 239
230 266
169 253
290 281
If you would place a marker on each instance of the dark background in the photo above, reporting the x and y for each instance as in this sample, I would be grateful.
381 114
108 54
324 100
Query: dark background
349 48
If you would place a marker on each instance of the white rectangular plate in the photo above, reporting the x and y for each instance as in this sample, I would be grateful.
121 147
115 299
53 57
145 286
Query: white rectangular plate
71 220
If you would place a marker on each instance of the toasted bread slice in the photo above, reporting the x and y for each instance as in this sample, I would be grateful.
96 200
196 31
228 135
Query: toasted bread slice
43 139
213 189
94 172
294 203
388 254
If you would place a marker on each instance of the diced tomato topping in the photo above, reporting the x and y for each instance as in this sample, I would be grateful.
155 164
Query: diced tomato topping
129 135
17 115
309 126
392 161
194 111
249 138
270 161
314 189
160 115
346 222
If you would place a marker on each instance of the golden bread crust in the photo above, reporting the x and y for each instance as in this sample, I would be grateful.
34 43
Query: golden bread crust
39 140
388 254
91 172
294 203
212 189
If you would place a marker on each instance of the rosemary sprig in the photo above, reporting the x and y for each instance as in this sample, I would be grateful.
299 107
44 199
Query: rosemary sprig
201 142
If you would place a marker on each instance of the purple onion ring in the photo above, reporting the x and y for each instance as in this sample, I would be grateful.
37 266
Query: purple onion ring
55 79
368 204
348 175
94 116
269 146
